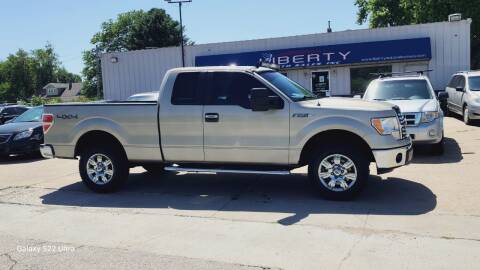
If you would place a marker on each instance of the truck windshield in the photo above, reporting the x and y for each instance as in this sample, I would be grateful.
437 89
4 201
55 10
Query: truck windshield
398 90
290 88
474 83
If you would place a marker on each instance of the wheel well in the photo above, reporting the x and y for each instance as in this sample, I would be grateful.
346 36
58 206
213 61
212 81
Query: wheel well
97 138
330 137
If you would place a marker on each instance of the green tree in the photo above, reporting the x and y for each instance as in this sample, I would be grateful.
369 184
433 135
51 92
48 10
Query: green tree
381 13
18 77
132 30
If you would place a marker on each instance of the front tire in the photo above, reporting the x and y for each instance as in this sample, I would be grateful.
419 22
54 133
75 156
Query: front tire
438 149
339 172
466 117
103 169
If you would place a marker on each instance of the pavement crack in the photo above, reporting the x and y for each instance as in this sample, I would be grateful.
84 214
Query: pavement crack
12 260
355 244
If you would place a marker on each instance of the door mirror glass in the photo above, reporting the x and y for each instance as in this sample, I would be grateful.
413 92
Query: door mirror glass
261 99
442 96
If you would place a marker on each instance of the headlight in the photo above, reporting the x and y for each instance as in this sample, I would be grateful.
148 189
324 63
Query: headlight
387 126
23 135
429 116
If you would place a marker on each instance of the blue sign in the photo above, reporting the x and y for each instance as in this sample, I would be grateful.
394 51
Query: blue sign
340 54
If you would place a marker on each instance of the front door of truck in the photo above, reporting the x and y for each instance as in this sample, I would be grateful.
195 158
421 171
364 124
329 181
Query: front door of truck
235 133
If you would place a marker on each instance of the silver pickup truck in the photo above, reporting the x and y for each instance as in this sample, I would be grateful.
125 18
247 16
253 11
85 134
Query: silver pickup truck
230 120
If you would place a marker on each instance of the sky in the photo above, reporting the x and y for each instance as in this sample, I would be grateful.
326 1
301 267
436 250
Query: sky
69 25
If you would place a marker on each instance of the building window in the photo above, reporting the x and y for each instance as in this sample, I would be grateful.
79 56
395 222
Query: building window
360 77
321 83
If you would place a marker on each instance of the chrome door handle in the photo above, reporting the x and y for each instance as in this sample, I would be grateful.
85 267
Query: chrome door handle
211 117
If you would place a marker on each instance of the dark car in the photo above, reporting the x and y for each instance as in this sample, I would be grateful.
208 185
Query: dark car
9 112
22 135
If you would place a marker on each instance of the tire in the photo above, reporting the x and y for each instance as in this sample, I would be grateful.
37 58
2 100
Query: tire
466 118
114 164
154 168
438 149
344 153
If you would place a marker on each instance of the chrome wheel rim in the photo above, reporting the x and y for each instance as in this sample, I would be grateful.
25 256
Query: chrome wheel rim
337 172
100 169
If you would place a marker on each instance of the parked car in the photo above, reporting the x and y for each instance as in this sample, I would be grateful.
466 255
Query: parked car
464 95
415 97
147 96
9 112
22 135
230 120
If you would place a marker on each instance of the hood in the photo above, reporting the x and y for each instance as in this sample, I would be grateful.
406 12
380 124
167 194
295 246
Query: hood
348 104
416 105
18 127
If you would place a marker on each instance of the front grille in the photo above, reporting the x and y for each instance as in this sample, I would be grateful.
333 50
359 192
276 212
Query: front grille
403 122
412 119
4 137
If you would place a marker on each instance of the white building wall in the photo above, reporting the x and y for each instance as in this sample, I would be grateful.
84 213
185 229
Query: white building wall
141 71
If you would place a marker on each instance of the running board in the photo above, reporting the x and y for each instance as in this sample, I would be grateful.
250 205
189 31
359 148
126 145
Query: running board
197 170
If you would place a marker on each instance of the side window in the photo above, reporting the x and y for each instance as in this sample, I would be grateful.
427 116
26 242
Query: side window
20 110
185 90
461 81
231 88
9 111
453 81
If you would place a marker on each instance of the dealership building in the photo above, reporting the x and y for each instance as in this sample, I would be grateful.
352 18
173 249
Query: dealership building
329 64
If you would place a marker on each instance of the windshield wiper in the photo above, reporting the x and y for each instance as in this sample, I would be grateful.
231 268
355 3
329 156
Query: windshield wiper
379 99
400 99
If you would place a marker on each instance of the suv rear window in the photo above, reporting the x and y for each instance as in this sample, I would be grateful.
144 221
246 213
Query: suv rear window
398 90
185 90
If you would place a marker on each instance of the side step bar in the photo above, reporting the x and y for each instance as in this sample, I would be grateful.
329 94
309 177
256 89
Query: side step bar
197 170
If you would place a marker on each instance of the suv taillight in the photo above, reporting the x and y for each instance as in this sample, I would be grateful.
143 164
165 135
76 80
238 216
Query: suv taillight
47 122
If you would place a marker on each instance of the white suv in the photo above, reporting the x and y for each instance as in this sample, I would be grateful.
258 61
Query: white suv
415 97
464 95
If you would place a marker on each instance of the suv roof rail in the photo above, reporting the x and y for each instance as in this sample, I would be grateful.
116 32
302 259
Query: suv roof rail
467 71
267 65
405 73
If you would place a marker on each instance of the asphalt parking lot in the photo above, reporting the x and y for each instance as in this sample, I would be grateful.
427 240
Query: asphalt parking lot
422 216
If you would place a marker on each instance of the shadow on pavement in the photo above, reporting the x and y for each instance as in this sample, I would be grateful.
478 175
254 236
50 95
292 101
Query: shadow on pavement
453 153
20 159
240 193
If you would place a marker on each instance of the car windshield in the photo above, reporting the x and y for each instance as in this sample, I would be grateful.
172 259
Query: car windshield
32 115
474 83
398 90
290 88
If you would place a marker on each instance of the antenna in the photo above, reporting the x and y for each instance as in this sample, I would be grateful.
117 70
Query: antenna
329 29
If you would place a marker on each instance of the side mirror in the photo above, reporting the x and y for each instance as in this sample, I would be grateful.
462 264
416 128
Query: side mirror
459 88
442 96
260 100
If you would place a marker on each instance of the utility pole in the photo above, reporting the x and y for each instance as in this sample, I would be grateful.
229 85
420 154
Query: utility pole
180 3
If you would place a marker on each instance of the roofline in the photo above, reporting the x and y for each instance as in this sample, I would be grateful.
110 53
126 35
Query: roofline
468 20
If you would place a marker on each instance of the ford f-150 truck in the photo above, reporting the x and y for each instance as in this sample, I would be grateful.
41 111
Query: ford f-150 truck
230 120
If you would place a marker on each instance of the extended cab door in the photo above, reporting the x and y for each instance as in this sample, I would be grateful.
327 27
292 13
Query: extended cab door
181 117
233 132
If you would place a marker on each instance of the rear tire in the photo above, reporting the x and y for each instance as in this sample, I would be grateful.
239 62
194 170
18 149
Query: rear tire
339 172
103 169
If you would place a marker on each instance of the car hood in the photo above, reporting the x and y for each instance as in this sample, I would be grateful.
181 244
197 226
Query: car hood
348 104
417 105
18 127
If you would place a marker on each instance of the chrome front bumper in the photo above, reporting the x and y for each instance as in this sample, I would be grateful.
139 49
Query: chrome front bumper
393 158
427 133
47 151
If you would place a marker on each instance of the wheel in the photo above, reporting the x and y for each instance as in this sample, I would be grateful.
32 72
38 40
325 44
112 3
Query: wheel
438 148
446 111
103 169
154 168
466 118
339 172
